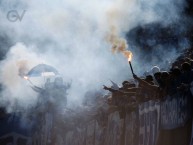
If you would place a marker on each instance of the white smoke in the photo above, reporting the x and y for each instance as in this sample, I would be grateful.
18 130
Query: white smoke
17 93
72 36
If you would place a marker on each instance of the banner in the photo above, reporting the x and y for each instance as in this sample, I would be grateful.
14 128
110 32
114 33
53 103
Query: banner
90 133
46 129
139 127
148 122
75 137
80 136
175 111
132 128
114 130
100 134
69 138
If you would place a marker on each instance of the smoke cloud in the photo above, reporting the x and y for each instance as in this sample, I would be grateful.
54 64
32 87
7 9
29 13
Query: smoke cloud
16 92
76 37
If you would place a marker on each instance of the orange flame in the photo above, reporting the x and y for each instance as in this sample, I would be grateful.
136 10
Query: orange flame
128 54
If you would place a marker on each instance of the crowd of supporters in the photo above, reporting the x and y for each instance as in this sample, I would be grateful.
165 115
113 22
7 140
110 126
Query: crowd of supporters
156 85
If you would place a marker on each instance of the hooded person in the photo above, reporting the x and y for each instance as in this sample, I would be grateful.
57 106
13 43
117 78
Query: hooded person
155 69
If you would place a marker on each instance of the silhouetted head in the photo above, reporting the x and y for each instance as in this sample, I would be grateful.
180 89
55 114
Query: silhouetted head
175 71
165 78
186 66
125 82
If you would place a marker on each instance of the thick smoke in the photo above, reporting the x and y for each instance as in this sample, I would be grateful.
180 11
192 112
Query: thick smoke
17 93
74 37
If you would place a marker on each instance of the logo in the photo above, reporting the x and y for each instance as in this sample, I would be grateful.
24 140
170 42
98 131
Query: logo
14 15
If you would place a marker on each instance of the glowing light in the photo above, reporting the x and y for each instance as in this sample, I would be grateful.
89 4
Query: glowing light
25 77
128 54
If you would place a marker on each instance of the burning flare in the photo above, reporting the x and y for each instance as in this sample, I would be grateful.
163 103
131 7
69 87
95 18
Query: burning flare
25 77
128 54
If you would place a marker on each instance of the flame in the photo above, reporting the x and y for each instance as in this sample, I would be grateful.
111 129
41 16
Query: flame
128 54
25 77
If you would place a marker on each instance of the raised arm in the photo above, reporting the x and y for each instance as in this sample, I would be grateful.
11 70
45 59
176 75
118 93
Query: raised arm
144 83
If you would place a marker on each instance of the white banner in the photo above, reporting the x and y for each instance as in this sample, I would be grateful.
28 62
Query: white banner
132 128
114 129
148 122
90 133
100 135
